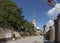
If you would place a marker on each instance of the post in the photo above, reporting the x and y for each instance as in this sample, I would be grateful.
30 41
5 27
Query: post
52 33
58 28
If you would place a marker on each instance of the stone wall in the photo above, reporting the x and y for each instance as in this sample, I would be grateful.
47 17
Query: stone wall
57 29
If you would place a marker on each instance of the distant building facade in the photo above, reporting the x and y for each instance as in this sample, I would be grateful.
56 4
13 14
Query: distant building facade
38 32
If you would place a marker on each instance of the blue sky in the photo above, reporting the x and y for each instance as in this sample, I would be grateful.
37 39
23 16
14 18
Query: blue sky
38 6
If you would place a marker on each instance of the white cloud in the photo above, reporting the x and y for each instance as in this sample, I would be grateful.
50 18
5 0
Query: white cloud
52 13
49 23
38 27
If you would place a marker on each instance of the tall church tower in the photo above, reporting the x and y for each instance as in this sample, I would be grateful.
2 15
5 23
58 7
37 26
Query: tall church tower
34 19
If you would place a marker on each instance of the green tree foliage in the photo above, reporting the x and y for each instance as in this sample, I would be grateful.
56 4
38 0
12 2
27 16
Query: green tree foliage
29 27
10 16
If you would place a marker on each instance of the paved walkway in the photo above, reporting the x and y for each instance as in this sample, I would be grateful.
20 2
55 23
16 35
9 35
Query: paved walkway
32 39
46 41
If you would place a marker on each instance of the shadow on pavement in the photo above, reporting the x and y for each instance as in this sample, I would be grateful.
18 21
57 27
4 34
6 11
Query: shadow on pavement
37 42
46 41
3 40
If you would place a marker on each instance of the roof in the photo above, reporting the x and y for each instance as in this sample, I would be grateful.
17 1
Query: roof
38 30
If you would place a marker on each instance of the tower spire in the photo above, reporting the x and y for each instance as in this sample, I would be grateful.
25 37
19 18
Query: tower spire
34 19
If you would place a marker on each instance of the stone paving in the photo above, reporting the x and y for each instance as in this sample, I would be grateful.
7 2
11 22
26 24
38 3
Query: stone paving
32 39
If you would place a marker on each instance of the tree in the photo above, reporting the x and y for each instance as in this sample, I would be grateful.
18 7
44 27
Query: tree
10 14
28 27
11 17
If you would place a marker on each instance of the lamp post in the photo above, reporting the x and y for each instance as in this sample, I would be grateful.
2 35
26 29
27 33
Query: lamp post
44 31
